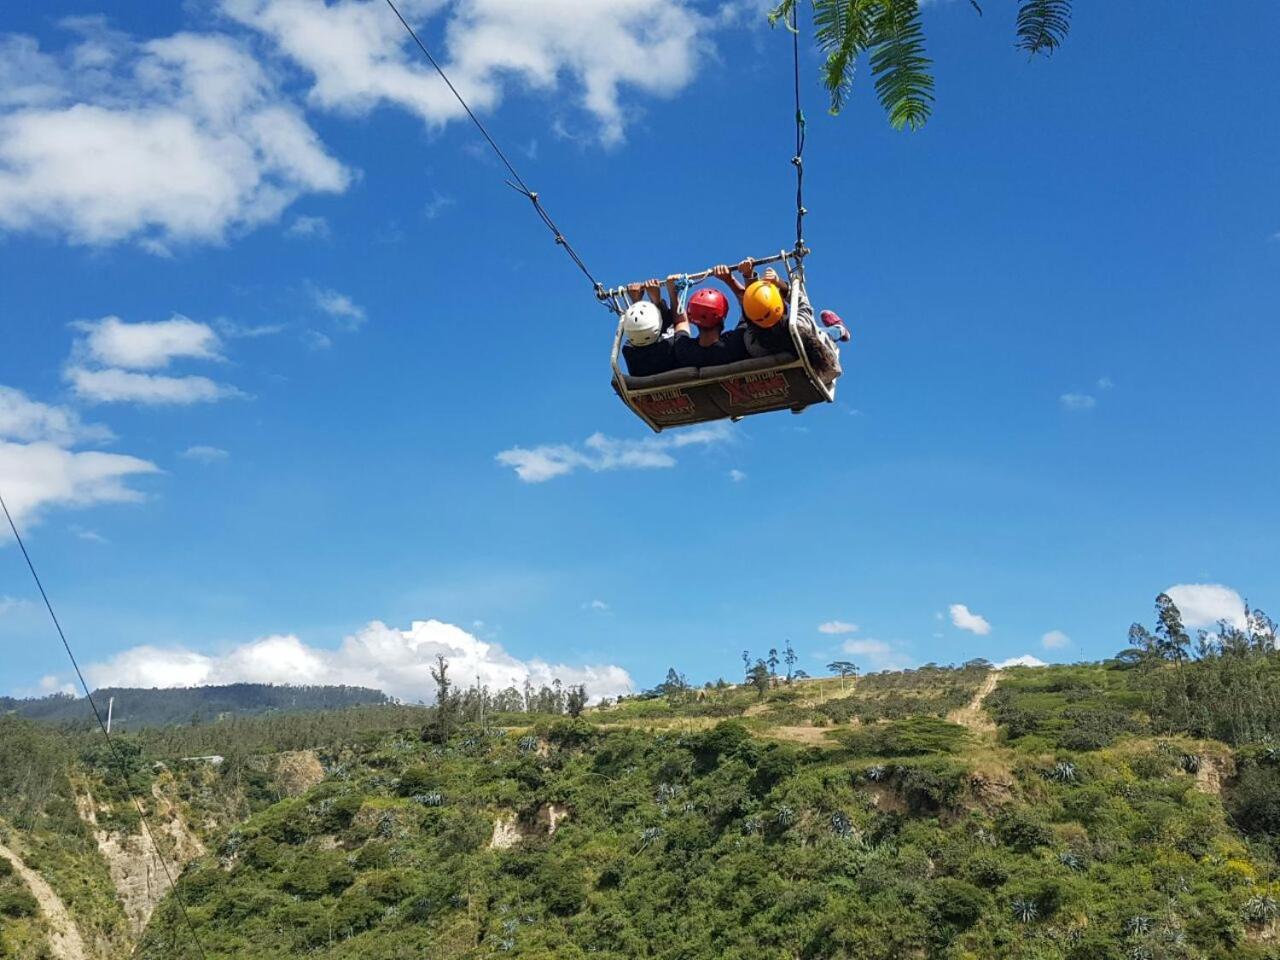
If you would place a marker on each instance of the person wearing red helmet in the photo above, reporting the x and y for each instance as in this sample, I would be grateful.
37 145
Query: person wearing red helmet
706 310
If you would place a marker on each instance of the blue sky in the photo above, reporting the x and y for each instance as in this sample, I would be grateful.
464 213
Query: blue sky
1059 400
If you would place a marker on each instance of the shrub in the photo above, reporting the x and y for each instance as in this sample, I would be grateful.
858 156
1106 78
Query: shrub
915 736
1023 830
15 903
956 902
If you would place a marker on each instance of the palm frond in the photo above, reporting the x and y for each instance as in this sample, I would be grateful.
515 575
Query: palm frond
782 12
843 30
904 81
1043 25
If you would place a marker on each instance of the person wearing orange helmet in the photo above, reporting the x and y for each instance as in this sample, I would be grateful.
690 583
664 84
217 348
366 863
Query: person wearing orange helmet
707 309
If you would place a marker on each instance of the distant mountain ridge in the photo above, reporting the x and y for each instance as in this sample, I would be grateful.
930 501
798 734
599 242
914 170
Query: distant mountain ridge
139 707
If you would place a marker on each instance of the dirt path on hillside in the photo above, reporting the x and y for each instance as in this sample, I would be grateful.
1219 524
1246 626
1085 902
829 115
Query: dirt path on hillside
972 715
64 936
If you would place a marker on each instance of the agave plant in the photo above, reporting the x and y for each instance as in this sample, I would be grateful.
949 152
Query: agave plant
891 34
1190 763
1064 771
877 773
527 744
1137 926
648 835
1071 860
433 799
1260 909
1024 910
841 826
784 816
750 825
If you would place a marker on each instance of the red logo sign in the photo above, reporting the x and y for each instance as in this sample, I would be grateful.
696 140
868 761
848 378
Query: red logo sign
667 406
757 389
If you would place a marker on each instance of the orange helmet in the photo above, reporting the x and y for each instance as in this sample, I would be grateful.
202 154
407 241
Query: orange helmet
762 303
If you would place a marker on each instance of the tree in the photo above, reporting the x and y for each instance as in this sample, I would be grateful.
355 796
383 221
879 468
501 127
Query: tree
1172 638
746 663
891 35
759 677
846 668
773 661
790 659
576 700
446 705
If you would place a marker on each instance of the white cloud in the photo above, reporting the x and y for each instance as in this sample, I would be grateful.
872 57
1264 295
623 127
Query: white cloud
37 475
174 140
599 453
22 418
737 476
837 627
395 661
436 205
83 533
315 340
966 619
1054 640
1076 402
360 57
1026 660
146 346
1104 383
1204 604
348 314
10 603
317 227
204 454
38 468
598 605
125 386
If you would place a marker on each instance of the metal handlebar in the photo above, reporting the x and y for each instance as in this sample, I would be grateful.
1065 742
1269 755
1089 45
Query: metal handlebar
703 274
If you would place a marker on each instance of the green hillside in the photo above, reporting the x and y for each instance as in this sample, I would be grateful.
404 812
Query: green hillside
1122 810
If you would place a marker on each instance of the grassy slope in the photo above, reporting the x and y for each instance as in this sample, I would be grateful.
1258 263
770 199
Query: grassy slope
1074 835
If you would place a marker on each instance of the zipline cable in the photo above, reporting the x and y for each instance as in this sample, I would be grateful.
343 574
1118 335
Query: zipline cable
519 185
798 159
119 757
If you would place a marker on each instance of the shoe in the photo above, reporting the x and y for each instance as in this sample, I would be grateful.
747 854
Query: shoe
830 318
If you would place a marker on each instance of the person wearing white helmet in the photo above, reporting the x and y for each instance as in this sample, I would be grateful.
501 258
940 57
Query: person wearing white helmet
647 326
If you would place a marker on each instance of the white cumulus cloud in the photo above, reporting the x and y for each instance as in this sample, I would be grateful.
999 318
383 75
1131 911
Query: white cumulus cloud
346 312
173 140
878 654
395 661
126 386
600 453
111 362
966 619
39 468
1054 640
837 627
147 346
360 57
1026 660
1204 604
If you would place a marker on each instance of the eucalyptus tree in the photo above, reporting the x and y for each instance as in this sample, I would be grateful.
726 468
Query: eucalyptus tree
890 34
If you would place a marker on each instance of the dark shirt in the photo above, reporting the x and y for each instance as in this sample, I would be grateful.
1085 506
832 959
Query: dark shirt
655 358
651 360
765 342
730 348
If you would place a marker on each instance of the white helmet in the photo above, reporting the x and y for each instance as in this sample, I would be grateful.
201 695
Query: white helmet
642 323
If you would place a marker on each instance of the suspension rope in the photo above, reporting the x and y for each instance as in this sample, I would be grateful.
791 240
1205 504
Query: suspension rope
517 182
798 159
115 750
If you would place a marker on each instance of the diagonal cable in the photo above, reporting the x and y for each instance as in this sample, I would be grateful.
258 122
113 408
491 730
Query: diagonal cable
115 751
519 183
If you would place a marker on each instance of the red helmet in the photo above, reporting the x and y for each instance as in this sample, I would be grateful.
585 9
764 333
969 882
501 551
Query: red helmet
708 308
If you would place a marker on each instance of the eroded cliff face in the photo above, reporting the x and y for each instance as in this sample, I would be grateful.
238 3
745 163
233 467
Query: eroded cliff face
64 940
137 861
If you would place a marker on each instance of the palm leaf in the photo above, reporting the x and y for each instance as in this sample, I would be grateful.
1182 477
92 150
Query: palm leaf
1043 25
904 82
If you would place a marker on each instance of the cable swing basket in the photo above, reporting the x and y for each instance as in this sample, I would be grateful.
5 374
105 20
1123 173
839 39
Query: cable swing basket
791 381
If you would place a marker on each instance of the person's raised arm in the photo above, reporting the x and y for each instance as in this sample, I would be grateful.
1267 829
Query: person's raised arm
682 318
634 291
654 289
722 273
